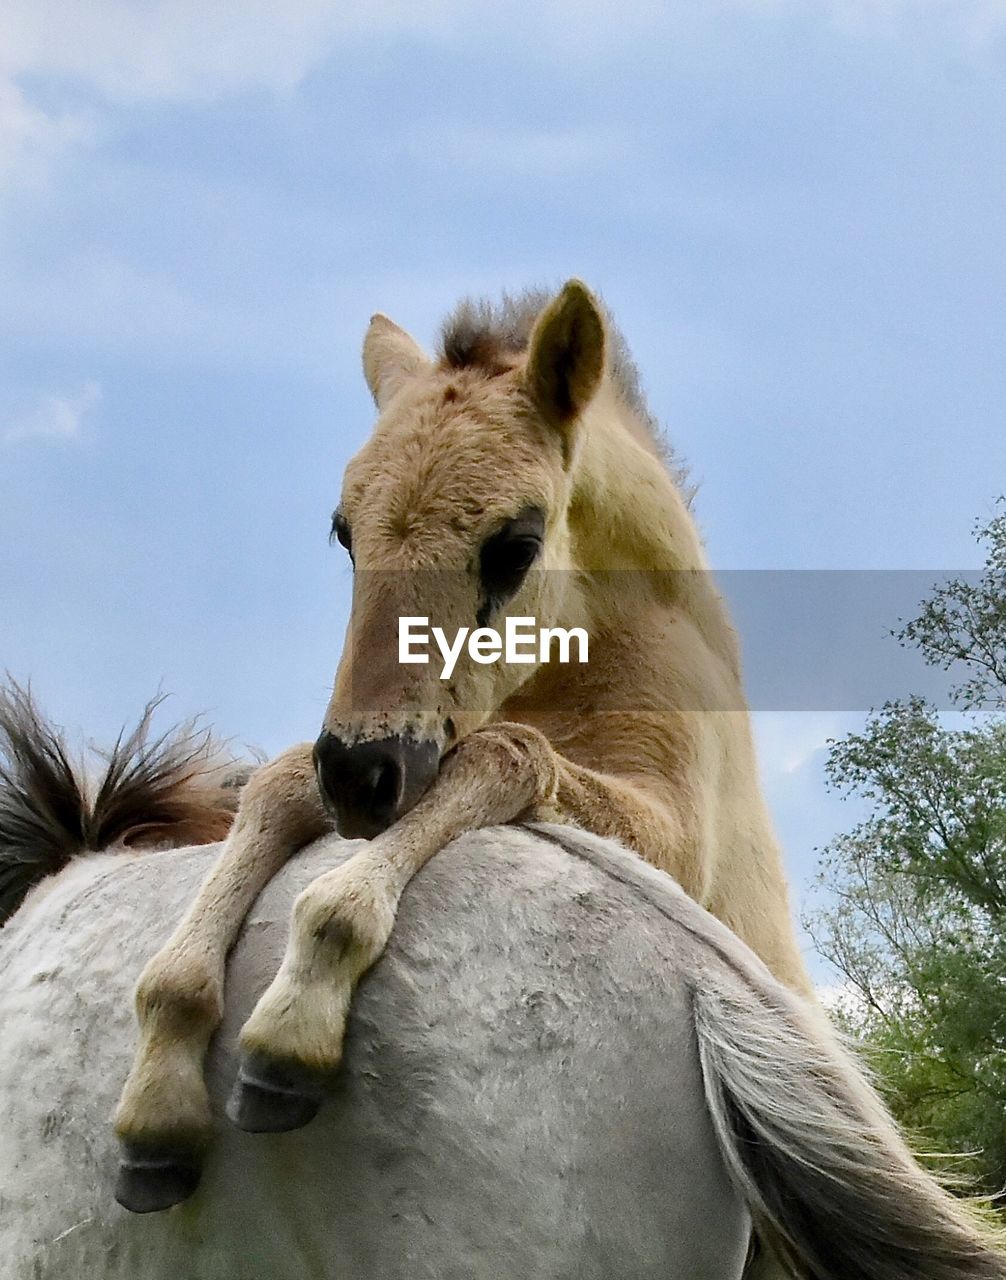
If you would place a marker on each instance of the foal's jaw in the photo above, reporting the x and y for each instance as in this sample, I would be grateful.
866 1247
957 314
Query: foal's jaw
368 784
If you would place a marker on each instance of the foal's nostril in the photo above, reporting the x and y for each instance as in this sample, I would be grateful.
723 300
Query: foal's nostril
385 784
367 785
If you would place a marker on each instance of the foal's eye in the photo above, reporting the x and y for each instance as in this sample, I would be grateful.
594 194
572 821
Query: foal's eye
507 555
341 531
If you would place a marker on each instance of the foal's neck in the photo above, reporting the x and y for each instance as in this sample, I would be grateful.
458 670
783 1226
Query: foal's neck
628 514
626 510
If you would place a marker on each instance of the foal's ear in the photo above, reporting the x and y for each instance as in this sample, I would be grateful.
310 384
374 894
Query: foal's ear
390 358
566 354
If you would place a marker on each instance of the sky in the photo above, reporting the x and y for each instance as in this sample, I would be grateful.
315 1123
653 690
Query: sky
796 212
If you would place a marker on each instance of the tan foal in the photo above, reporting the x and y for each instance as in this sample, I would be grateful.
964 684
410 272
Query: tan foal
516 476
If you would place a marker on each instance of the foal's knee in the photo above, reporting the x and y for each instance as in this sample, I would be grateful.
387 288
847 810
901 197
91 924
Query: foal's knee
178 994
512 766
347 918
282 798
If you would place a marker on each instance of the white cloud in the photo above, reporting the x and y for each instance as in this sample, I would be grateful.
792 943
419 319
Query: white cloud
125 51
970 24
56 417
129 51
788 740
30 139
181 50
178 49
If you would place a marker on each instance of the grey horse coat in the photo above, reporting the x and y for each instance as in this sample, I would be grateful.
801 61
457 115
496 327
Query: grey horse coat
521 1093
560 1068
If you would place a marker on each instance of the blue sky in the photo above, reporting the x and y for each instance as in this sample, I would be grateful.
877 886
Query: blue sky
797 212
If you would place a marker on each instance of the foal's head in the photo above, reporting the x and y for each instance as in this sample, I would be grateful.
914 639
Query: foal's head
455 511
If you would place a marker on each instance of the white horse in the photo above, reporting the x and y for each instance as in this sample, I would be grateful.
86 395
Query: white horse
561 1067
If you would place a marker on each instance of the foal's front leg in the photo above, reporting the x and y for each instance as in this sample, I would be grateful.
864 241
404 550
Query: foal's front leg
292 1043
163 1119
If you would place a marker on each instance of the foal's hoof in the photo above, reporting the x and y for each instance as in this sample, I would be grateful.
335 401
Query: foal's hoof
151 1179
274 1097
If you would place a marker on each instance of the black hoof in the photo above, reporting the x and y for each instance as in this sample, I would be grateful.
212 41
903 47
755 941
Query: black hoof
274 1097
151 1179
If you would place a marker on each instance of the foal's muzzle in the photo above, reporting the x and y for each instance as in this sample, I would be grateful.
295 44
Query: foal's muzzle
368 785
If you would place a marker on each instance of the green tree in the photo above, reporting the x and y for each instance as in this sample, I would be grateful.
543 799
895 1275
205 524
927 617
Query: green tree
913 899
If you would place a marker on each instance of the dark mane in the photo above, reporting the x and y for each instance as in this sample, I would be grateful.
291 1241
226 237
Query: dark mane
150 790
484 334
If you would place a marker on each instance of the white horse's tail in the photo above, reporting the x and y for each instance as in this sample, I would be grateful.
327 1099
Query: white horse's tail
173 789
830 1184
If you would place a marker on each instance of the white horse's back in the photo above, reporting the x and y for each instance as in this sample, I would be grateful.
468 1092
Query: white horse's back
521 1093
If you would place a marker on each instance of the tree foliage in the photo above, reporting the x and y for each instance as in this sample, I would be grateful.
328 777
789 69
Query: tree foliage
913 899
